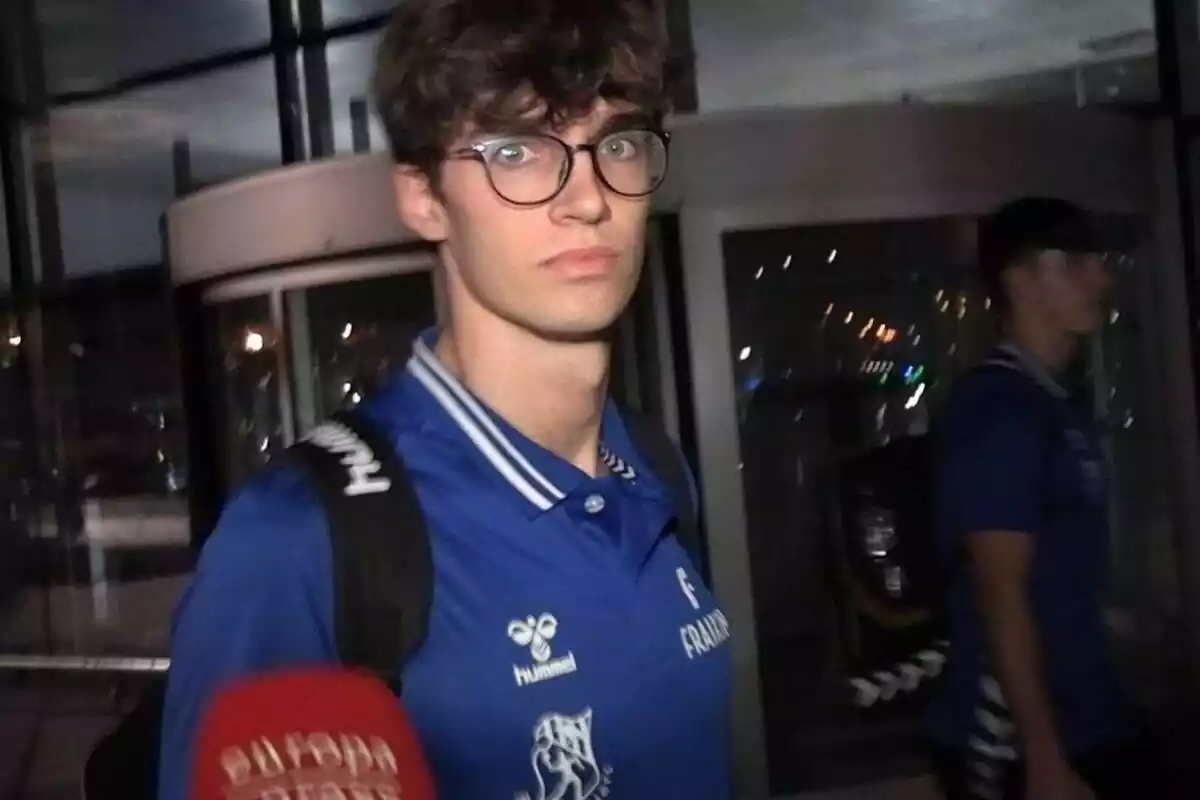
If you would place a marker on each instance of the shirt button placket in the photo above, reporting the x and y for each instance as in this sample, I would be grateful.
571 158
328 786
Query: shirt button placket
594 504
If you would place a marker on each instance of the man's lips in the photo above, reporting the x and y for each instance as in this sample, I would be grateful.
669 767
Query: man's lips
583 262
581 255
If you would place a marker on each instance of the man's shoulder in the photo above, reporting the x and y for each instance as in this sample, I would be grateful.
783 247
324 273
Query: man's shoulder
997 393
278 512
274 518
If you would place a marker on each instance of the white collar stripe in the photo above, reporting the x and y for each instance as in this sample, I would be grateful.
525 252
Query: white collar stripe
419 370
470 405
1025 365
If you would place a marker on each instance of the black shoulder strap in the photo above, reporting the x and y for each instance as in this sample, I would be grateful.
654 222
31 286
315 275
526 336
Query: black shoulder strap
383 567
666 460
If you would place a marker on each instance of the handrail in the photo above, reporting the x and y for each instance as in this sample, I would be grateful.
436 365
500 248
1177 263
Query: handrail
49 663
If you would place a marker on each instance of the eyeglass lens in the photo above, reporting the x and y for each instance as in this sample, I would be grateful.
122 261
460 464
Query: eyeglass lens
532 169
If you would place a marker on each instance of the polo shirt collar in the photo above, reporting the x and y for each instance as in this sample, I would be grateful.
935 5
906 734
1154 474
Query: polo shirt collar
1010 356
538 476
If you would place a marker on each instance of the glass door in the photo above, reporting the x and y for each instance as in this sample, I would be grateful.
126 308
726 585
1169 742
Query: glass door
347 338
292 347
820 353
843 339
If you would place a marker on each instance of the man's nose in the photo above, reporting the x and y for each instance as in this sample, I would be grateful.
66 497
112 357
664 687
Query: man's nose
585 197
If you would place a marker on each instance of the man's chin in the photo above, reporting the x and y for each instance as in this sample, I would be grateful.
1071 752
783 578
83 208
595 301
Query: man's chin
577 331
578 335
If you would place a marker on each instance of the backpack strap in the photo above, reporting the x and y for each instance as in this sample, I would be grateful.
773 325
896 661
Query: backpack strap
667 462
382 562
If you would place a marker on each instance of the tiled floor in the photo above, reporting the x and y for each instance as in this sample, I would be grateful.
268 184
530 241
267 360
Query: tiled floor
59 718
45 737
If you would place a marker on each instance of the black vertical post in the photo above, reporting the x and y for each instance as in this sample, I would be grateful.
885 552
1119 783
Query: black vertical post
284 32
360 125
316 80
181 167
31 196
678 19
204 486
1178 28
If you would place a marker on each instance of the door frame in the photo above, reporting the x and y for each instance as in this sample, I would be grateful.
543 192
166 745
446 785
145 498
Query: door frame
713 396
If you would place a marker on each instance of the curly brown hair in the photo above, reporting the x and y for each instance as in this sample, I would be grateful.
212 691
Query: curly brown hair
445 65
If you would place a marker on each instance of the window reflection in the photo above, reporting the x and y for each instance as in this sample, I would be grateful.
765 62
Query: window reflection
340 341
116 161
5 263
338 11
926 52
18 501
248 348
101 515
844 340
347 338
1144 609
96 44
355 125
844 337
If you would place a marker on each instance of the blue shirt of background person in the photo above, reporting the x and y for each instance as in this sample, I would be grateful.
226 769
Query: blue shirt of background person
1030 694
1016 453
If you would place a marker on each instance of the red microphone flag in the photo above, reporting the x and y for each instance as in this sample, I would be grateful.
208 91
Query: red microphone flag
314 734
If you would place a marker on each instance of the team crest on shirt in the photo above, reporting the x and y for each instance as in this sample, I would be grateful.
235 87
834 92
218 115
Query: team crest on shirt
565 764
537 633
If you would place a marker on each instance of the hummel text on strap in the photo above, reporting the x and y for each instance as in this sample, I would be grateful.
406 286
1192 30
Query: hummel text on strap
361 464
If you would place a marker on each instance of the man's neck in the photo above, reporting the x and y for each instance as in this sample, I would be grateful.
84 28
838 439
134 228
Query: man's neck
1051 349
552 392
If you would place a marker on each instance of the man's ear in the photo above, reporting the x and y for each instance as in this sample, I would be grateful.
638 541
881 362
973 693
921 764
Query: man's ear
420 209
1018 279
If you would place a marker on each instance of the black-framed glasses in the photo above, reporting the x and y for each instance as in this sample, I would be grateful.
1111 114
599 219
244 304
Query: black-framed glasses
531 169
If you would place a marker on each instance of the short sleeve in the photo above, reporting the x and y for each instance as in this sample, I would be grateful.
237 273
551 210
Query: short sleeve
262 597
992 466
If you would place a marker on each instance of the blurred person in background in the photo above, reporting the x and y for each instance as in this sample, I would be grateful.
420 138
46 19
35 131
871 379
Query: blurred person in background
1030 705
573 650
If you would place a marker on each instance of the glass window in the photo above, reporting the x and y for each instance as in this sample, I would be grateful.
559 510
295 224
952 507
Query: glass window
339 11
346 338
103 522
98 44
247 373
5 255
351 62
1070 52
843 338
1145 603
19 506
116 161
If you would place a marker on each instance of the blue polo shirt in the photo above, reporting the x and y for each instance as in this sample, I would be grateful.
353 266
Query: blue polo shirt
1016 453
573 650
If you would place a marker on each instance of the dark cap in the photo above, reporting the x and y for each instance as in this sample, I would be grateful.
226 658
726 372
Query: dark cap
1029 226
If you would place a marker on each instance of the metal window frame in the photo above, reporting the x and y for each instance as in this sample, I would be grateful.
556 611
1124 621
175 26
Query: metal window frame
1177 26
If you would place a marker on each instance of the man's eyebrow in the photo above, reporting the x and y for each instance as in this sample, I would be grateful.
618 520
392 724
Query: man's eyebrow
623 121
517 127
626 120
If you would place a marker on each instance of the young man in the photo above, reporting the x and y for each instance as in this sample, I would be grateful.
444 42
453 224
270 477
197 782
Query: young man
527 142
1030 705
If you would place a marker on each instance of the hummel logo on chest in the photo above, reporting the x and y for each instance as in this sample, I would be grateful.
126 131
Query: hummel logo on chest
536 634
